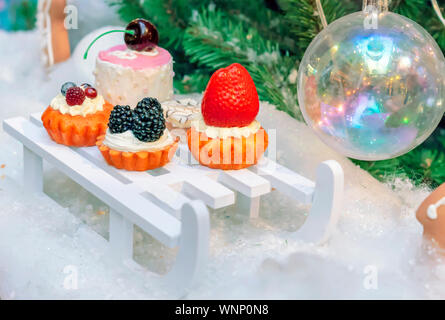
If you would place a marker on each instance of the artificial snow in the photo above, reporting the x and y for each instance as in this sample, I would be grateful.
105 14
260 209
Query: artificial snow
52 249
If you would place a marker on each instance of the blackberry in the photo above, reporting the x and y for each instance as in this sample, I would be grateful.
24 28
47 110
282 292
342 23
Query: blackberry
148 120
121 119
149 103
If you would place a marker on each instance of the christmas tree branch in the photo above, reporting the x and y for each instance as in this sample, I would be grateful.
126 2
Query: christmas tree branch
215 40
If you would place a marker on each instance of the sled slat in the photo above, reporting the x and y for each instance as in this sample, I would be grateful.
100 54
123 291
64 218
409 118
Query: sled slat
245 182
287 181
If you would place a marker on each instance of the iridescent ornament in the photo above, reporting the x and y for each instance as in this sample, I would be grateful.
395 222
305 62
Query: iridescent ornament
372 84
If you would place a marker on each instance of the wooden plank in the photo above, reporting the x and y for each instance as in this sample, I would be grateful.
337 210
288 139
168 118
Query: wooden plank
133 206
249 205
287 181
162 195
210 192
33 171
245 182
36 118
121 235
199 186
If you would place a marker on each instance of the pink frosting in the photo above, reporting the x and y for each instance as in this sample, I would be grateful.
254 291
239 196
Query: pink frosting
141 62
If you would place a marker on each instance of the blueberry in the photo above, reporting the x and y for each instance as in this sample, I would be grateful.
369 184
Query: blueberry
85 85
66 86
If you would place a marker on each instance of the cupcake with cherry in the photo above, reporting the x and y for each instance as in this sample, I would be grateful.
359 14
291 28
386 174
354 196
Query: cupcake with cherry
228 136
77 115
137 139
140 68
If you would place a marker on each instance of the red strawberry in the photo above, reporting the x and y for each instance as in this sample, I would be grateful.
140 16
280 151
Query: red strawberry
230 99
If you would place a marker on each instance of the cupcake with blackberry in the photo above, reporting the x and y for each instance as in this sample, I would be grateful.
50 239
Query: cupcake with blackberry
77 115
137 139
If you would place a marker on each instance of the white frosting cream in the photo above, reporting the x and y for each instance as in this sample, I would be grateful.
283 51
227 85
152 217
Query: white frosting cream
432 209
127 142
131 55
89 106
223 133
127 86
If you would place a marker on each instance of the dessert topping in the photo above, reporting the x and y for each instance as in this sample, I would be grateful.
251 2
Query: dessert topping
148 120
85 85
140 35
230 99
75 96
121 119
145 36
90 92
66 86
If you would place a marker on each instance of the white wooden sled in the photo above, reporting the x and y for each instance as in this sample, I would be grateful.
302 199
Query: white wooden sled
170 203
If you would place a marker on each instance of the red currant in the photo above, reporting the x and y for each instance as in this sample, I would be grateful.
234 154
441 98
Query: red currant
75 96
90 92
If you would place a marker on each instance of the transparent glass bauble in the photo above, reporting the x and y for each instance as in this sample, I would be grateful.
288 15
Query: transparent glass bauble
372 92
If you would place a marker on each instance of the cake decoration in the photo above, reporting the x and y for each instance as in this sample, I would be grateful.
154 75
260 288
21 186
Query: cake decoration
130 55
227 136
75 96
139 35
90 92
127 73
431 214
180 113
231 99
432 208
76 116
66 86
137 139
145 36
149 122
121 119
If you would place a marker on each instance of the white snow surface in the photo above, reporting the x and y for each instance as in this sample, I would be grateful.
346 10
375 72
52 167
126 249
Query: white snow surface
42 242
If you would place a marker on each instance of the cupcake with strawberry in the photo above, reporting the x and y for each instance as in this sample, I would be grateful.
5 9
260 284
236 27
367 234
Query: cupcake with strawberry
227 136
76 116
137 139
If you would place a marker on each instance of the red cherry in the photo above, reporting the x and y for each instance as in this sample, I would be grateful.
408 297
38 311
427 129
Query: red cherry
90 92
145 37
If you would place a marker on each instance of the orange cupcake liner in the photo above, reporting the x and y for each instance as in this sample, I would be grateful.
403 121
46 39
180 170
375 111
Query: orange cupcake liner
137 161
230 153
76 131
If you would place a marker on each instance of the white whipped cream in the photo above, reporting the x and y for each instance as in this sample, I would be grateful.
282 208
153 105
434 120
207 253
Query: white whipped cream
89 106
223 133
131 54
432 209
127 142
